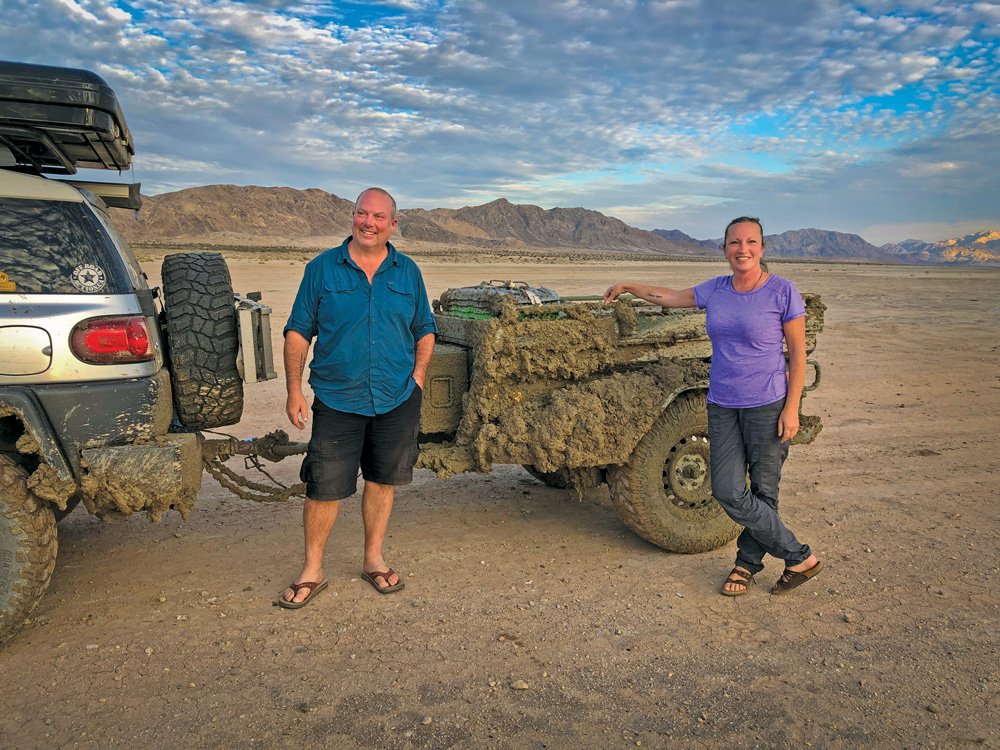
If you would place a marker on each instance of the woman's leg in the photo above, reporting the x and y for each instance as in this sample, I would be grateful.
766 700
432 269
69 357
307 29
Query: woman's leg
742 438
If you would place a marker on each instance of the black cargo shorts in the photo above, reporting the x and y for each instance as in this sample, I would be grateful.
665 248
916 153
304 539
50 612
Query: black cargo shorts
384 447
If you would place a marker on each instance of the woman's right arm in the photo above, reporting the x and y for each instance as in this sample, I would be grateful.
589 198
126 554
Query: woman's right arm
658 295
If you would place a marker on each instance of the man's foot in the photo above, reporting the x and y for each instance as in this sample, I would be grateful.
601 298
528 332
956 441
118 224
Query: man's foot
301 593
298 592
738 582
384 581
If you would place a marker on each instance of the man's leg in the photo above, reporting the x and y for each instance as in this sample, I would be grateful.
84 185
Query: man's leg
376 507
318 517
329 470
387 461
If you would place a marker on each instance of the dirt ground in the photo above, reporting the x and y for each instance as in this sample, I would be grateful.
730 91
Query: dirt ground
533 620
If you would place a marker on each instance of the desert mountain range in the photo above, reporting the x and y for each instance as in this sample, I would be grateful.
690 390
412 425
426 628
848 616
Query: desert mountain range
285 217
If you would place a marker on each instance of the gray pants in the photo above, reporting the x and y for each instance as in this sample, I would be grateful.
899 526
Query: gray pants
742 441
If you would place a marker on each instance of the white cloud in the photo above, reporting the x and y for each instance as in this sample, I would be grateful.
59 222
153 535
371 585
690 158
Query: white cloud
625 106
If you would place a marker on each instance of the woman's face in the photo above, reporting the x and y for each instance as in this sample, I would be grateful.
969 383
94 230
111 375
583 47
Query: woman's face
743 247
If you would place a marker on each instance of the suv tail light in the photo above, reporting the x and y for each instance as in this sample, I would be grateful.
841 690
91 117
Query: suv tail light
120 339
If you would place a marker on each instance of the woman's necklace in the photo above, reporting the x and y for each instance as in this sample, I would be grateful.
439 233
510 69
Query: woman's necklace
759 277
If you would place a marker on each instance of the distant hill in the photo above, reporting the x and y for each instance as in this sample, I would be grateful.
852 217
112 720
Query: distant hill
821 243
675 235
220 214
229 214
281 216
509 223
803 243
981 247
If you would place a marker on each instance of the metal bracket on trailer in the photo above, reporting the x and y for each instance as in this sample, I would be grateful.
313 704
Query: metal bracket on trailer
256 358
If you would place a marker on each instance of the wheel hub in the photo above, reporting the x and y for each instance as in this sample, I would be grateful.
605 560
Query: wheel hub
686 478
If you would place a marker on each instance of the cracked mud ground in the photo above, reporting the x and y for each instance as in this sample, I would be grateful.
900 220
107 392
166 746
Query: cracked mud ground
532 620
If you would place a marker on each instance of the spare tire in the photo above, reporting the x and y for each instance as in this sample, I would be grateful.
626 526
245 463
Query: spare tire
202 340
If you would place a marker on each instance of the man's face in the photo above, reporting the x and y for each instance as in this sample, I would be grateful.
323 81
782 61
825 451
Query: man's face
373 222
743 246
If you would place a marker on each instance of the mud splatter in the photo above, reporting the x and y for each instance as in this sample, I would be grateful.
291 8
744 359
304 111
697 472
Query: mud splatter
566 386
48 485
27 444
162 475
595 423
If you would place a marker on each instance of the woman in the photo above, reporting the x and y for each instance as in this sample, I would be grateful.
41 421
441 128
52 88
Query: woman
753 403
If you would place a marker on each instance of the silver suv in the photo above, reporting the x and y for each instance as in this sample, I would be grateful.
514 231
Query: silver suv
104 382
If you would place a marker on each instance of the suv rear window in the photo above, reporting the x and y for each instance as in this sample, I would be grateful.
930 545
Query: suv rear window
55 247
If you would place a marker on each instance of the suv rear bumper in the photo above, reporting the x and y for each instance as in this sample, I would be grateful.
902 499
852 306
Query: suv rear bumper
65 419
107 442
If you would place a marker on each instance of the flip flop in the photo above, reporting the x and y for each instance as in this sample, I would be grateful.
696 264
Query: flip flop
740 578
370 577
792 579
314 588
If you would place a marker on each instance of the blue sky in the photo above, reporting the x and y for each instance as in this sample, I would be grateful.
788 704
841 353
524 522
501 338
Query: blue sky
879 118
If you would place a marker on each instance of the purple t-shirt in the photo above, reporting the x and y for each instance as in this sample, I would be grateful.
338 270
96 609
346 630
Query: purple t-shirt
748 362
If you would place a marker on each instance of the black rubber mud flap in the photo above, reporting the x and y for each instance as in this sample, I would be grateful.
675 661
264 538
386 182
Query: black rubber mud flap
558 479
664 492
202 340
27 548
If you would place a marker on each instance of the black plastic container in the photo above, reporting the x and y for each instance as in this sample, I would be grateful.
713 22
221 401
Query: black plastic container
57 120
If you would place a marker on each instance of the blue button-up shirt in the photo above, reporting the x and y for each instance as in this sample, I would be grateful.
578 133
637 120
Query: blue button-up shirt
365 333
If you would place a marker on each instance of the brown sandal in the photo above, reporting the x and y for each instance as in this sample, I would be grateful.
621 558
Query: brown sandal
740 578
314 588
792 579
370 576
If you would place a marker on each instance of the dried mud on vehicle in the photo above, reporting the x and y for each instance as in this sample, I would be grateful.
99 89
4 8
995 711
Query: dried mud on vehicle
570 388
563 385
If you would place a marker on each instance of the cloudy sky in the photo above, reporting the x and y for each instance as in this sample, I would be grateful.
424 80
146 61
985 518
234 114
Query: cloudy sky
879 118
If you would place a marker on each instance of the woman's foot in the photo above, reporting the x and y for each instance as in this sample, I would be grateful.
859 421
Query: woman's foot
795 575
738 582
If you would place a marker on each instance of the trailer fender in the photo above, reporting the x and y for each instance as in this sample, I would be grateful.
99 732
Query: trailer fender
594 423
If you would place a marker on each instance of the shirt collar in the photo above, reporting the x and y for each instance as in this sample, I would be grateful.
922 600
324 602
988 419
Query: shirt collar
344 255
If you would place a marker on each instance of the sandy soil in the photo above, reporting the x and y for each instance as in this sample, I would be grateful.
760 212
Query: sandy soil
532 620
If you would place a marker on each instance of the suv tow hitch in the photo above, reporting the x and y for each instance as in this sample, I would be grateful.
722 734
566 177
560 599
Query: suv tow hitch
273 447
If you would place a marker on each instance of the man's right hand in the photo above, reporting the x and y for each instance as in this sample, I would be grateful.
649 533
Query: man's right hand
297 409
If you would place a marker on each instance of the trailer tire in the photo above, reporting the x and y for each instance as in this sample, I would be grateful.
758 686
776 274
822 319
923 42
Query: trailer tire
664 492
202 340
27 548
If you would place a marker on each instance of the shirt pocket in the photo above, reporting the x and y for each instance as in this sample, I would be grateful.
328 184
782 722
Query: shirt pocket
400 304
339 298
340 318
340 285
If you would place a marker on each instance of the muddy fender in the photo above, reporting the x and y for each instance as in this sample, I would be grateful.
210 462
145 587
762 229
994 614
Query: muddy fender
594 423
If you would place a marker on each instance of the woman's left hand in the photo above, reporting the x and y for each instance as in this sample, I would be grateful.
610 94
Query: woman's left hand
788 424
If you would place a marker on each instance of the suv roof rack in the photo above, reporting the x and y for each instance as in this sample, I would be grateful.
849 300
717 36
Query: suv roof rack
57 120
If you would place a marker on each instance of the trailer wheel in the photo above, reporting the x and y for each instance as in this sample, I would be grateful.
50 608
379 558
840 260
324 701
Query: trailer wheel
27 548
664 492
202 340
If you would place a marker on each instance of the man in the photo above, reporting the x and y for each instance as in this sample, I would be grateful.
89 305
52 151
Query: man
365 305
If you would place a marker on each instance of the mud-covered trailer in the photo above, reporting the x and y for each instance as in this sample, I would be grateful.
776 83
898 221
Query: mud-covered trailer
581 392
